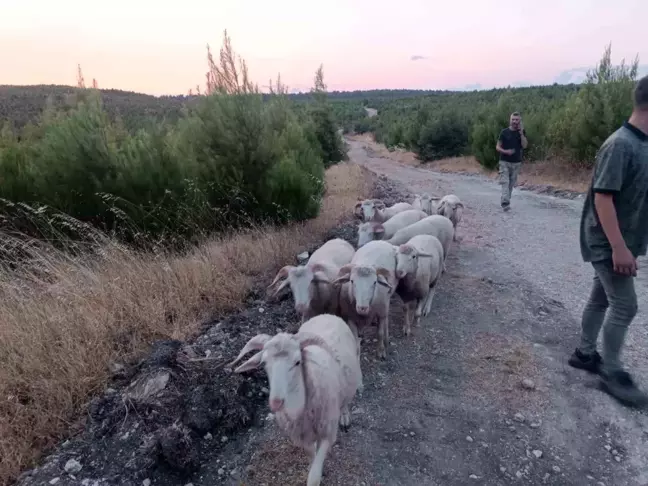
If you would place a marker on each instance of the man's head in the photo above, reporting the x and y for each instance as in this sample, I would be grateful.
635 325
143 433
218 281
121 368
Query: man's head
641 95
515 120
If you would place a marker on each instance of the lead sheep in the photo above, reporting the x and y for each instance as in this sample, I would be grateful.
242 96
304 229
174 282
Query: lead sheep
311 284
313 376
451 207
367 284
419 264
435 225
380 231
374 210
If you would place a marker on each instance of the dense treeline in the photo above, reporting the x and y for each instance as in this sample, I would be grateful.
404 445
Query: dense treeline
567 121
230 158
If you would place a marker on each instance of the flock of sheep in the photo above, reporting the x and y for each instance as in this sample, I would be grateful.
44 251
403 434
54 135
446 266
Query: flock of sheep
315 373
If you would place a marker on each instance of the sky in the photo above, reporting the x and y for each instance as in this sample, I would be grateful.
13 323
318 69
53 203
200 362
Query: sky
159 47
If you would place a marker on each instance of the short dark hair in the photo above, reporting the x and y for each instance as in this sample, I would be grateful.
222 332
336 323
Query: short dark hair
515 113
641 94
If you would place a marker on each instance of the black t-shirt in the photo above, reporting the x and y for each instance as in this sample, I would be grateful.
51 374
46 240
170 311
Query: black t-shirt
511 139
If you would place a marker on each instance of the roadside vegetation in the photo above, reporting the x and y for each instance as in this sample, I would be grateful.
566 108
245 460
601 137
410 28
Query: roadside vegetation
121 228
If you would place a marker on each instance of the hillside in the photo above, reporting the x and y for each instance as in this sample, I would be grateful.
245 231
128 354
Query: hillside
23 104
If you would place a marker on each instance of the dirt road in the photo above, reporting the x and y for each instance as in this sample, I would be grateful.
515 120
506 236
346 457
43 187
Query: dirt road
479 394
448 406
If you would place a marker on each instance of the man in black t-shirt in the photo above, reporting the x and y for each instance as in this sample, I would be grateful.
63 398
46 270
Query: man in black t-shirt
510 144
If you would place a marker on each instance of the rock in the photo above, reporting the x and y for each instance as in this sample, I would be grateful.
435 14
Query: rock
615 452
518 474
146 482
617 458
302 257
534 425
469 439
502 469
473 476
145 387
528 384
54 480
72 466
261 310
608 447
221 471
556 469
537 453
519 417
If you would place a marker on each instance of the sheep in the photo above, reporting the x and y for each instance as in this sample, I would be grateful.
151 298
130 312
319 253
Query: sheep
425 203
419 264
313 377
311 284
366 285
452 208
379 231
374 210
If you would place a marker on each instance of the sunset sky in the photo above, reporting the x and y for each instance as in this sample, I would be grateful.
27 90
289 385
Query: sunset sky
158 47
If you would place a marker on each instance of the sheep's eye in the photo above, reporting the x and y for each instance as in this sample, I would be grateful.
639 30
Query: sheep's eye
297 363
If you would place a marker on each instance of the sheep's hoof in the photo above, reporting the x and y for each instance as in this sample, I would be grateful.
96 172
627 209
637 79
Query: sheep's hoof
407 331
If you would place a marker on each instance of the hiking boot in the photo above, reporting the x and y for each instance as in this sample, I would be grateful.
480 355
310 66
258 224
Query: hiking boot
619 384
588 362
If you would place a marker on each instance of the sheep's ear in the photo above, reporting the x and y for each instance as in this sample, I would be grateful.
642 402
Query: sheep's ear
317 267
460 205
379 229
379 205
254 344
283 273
252 363
344 274
424 255
383 277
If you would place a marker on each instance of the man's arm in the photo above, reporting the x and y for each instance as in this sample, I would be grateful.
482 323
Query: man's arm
611 167
523 139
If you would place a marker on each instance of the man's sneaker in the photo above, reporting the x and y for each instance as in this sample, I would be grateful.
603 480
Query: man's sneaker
588 362
506 207
619 384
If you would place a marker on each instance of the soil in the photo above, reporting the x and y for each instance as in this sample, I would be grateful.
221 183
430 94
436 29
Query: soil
480 393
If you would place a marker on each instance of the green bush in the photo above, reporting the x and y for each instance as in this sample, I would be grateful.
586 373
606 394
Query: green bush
447 135
231 160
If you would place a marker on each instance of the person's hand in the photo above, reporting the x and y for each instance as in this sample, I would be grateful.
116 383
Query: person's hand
624 262
510 151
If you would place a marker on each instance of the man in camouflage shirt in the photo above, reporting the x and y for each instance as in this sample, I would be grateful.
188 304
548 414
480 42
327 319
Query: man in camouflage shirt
613 233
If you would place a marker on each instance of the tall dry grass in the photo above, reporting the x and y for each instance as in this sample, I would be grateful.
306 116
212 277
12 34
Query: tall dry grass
64 320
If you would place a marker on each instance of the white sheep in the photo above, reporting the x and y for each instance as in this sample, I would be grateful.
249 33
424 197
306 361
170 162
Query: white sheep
375 210
435 225
426 203
313 376
311 284
452 208
373 230
367 284
419 264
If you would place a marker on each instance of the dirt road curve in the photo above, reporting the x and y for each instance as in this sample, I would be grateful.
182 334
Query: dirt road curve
448 406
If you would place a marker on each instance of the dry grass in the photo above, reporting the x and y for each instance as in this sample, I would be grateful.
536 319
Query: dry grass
59 334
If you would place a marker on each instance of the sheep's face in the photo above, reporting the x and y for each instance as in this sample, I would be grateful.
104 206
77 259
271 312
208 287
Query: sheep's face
406 261
282 357
368 209
365 281
426 203
302 285
368 232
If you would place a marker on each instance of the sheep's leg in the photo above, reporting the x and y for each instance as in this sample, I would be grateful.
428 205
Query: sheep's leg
311 450
420 307
428 300
383 336
317 466
407 325
345 418
354 329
